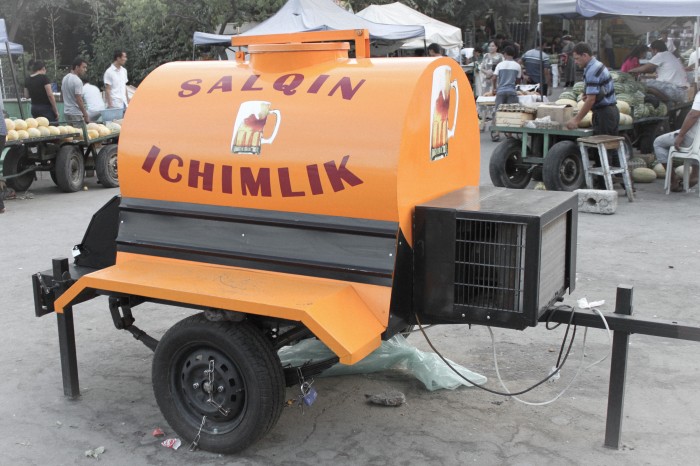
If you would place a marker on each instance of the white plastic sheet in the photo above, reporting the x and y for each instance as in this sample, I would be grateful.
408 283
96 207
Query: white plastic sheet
395 353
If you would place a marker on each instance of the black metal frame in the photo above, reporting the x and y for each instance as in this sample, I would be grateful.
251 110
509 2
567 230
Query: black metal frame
621 323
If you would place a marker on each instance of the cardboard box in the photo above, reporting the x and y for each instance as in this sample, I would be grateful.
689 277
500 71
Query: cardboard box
558 113
513 118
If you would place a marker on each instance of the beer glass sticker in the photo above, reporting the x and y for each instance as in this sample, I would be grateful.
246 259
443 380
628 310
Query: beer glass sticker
250 125
440 131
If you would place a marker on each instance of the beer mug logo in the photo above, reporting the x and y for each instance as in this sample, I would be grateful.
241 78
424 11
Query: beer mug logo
440 131
250 124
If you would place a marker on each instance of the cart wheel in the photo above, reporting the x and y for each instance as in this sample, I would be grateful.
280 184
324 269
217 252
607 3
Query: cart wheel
563 169
506 166
106 166
53 177
70 169
16 161
248 383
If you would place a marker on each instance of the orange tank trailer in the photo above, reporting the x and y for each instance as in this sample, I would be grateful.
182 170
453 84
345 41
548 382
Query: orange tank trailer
277 194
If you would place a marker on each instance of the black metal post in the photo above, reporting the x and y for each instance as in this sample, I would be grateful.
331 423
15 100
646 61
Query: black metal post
618 371
66 338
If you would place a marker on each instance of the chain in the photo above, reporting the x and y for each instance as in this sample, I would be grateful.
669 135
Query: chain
195 441
210 380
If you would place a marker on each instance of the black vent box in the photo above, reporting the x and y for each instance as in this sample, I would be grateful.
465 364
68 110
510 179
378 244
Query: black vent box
493 256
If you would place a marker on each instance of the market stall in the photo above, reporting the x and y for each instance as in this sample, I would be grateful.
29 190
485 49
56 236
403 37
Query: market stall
445 35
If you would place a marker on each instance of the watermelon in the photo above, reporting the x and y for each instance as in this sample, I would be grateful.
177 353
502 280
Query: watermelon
643 175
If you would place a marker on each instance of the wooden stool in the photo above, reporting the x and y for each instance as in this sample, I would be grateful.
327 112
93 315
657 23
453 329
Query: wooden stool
604 143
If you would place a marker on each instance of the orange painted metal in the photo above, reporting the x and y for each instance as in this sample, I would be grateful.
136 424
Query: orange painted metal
359 36
348 317
300 127
310 131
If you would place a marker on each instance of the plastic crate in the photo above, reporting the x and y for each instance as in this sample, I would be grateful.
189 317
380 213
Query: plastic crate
111 114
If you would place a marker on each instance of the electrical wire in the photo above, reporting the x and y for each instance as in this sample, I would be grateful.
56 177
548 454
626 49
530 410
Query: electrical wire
578 371
495 392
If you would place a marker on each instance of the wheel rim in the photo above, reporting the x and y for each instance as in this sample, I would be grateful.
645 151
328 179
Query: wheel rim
75 169
189 383
514 169
569 171
112 166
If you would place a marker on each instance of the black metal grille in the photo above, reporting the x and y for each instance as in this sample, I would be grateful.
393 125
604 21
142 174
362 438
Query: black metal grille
489 265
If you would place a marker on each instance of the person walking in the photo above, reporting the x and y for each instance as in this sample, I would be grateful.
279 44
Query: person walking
115 79
39 90
608 49
487 66
503 81
72 89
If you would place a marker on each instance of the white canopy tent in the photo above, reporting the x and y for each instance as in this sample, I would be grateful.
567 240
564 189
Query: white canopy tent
443 34
635 12
322 15
602 8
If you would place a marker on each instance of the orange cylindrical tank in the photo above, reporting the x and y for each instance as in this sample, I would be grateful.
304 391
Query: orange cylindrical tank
302 128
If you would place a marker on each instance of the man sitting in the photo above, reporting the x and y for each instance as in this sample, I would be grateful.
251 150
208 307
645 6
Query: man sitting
672 81
681 138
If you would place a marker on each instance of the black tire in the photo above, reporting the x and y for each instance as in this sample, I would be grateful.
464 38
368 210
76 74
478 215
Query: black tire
70 169
246 368
16 161
53 177
563 168
506 167
106 166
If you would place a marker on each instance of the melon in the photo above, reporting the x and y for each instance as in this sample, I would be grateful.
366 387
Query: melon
33 132
659 170
569 102
643 175
587 121
679 171
31 123
94 126
44 131
10 124
626 119
93 133
22 134
11 135
579 104
20 125
104 131
624 107
54 131
115 127
42 121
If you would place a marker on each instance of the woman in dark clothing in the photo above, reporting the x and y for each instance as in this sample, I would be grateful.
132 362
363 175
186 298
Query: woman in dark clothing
39 87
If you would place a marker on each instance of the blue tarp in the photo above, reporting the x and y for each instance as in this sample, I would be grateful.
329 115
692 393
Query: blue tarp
15 49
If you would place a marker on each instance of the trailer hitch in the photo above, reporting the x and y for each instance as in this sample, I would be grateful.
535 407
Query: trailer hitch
124 320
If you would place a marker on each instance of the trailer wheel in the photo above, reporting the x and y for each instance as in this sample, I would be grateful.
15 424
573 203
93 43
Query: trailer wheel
506 166
70 169
106 166
248 383
16 161
563 168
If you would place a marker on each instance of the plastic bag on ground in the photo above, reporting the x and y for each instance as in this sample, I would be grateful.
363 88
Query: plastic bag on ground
395 353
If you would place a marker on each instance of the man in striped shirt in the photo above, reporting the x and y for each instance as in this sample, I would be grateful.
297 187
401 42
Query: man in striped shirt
598 94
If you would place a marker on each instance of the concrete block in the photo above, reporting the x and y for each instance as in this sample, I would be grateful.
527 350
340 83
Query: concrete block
597 201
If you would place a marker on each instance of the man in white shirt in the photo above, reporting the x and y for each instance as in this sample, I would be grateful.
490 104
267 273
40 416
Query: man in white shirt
115 80
93 99
681 138
672 81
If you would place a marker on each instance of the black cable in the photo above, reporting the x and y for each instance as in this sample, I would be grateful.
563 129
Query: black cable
495 392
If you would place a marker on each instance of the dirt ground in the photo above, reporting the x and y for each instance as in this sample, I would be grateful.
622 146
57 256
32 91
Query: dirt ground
650 244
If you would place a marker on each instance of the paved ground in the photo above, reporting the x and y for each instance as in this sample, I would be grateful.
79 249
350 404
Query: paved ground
651 244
